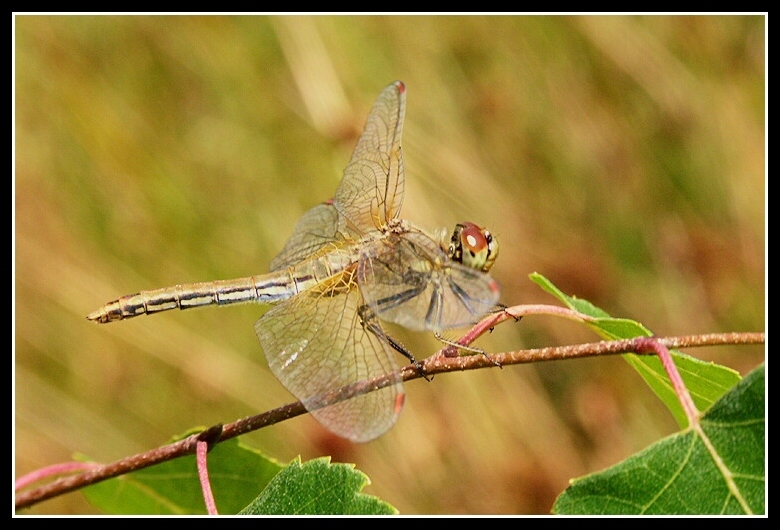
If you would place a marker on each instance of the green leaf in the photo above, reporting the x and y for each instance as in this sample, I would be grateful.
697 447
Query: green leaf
243 480
706 381
716 467
578 304
237 474
318 488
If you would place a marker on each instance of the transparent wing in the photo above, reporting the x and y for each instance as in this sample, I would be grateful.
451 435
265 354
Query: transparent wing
372 190
315 343
409 280
315 229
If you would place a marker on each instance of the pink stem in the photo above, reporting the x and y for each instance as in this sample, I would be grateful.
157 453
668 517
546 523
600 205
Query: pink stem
650 344
203 474
56 469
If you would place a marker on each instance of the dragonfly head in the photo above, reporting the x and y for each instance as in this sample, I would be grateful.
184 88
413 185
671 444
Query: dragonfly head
473 246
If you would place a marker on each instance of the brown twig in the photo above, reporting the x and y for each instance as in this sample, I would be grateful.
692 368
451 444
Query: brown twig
438 363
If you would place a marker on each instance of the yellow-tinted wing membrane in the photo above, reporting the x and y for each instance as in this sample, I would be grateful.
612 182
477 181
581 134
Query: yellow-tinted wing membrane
372 189
315 229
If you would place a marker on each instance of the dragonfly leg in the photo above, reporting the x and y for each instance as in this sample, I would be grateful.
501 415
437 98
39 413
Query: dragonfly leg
397 346
369 322
473 351
502 308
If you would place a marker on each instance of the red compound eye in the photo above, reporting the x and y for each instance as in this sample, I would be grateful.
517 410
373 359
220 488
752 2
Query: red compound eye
473 239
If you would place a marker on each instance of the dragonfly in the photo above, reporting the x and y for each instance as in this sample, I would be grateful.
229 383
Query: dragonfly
350 264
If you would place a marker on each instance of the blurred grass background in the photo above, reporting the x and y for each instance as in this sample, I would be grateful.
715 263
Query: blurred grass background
623 157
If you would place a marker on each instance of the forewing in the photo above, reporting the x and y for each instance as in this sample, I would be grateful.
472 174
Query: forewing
315 229
409 280
315 343
372 189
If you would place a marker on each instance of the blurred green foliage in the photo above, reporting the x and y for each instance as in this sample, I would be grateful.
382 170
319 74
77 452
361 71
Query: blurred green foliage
623 157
